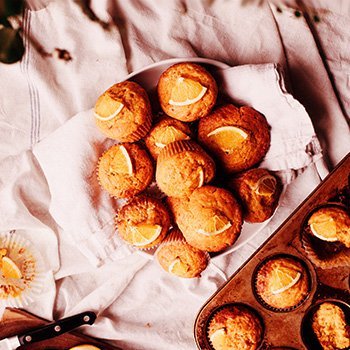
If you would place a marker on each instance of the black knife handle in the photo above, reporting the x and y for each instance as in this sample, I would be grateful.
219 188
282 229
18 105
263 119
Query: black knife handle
55 329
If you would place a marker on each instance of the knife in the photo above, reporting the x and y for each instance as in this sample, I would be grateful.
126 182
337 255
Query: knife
49 331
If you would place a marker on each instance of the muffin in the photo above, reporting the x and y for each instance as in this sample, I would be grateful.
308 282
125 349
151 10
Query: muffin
123 112
282 283
210 218
183 166
125 170
238 137
143 222
326 236
187 91
259 191
177 257
330 327
235 327
164 132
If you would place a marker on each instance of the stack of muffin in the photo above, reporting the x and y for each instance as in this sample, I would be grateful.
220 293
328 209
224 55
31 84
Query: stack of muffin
197 152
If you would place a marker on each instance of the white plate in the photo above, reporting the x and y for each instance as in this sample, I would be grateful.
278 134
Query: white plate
148 78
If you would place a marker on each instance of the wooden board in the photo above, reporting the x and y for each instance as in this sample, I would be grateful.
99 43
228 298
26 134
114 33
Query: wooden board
16 322
285 329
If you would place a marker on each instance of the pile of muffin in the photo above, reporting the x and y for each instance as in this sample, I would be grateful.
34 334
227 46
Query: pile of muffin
202 156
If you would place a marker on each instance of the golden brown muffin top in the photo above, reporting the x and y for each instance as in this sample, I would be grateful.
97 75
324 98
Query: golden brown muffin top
176 256
252 131
167 130
143 221
125 180
196 73
330 327
235 328
331 224
282 282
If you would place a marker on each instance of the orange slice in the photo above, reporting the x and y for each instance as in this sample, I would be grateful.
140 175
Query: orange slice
283 279
323 227
228 137
121 162
186 92
9 269
177 267
171 134
200 177
218 339
144 234
266 185
107 108
215 225
85 347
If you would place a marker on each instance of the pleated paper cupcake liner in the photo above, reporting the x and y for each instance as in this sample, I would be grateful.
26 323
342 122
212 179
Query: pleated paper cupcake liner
21 292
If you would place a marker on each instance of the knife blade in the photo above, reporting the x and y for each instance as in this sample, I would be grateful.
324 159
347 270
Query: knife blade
49 331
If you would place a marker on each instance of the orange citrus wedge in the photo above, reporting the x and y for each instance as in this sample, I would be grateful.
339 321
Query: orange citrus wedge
186 92
200 177
218 339
107 108
323 227
144 234
228 137
266 185
9 269
121 162
215 225
177 267
283 279
171 134
85 347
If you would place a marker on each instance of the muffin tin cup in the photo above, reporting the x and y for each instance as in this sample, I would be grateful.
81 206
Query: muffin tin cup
262 301
309 242
284 329
30 262
246 306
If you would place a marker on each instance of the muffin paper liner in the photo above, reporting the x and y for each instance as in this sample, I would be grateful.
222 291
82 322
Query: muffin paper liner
340 259
263 302
229 305
30 262
177 147
141 131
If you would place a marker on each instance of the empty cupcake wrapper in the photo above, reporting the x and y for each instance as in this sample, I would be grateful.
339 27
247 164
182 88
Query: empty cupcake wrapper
19 293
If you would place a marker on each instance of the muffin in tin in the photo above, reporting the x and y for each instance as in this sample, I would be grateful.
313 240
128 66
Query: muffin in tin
166 131
282 283
183 166
125 170
330 327
210 218
123 112
187 91
259 191
143 222
179 258
235 327
326 236
238 137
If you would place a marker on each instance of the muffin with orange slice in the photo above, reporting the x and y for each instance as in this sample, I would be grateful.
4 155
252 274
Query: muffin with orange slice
326 236
183 166
166 131
238 137
125 170
123 112
259 191
143 222
210 218
187 91
330 327
179 258
235 327
282 283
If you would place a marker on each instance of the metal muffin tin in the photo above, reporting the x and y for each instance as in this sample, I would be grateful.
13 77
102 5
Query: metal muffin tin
289 329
